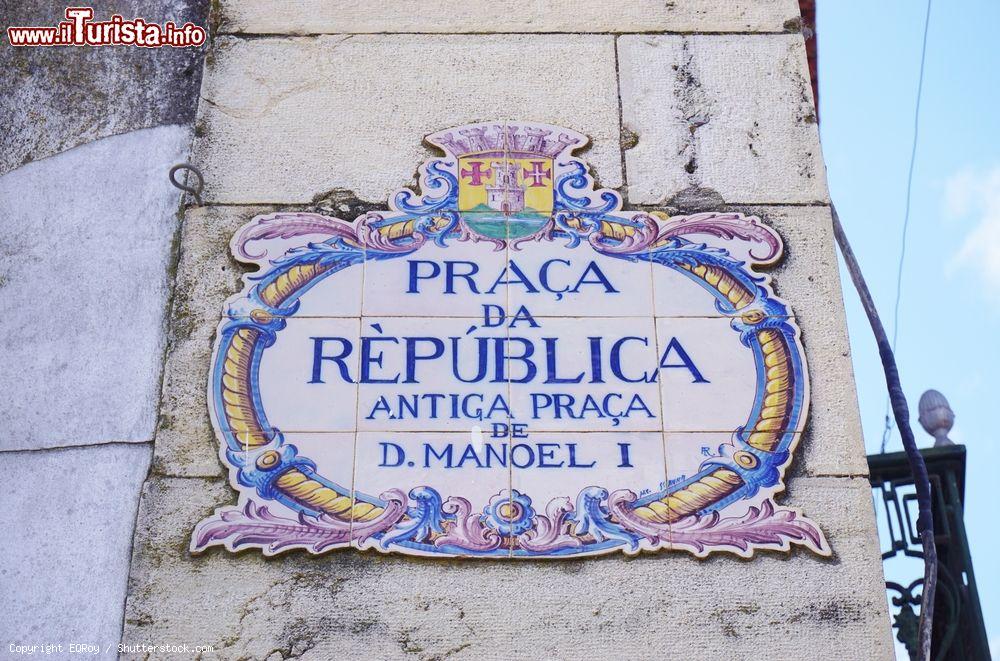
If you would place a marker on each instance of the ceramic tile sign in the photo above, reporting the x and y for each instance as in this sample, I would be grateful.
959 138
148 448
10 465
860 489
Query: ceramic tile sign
507 364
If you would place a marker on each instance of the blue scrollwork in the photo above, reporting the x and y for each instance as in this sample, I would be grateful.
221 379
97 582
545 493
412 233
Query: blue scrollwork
260 467
577 180
425 519
592 517
441 188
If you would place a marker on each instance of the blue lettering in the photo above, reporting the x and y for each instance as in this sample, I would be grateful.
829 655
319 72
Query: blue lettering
600 279
522 314
415 265
550 364
502 357
616 361
544 453
623 448
525 449
482 357
470 453
400 455
489 321
412 356
381 405
445 455
319 357
522 279
572 458
367 359
451 274
686 361
543 277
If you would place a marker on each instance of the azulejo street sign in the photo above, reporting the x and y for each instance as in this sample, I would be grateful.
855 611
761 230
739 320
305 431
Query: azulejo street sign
508 364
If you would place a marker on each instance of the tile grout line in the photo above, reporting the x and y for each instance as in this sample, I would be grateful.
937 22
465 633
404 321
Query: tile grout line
656 360
510 386
656 357
535 316
659 394
357 391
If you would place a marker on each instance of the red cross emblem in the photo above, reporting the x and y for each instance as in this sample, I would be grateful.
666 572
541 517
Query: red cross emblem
537 174
477 173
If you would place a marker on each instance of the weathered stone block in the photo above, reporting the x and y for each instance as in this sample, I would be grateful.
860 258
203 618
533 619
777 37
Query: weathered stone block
206 276
733 114
808 279
288 120
350 16
185 441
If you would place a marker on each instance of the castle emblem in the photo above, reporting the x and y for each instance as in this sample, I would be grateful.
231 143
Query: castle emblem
506 194
506 174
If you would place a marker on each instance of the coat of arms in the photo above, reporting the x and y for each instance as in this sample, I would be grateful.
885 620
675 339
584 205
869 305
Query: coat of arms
506 178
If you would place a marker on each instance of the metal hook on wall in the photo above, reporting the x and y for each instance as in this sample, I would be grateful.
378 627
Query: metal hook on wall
196 191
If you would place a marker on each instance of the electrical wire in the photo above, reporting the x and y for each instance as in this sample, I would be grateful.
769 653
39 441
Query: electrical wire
887 433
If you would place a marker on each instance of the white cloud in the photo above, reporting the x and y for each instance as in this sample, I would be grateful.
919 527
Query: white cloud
976 194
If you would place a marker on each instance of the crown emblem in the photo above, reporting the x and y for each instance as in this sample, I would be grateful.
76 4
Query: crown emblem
498 139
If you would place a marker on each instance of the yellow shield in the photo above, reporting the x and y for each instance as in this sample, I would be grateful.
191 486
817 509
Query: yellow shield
505 196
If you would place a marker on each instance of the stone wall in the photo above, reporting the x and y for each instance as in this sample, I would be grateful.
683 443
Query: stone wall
690 105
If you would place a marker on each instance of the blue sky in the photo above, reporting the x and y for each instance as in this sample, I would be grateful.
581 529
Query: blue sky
949 326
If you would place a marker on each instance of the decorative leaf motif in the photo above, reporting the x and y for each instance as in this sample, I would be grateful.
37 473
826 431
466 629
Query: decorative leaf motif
551 529
287 225
725 226
643 236
393 512
468 530
255 525
764 526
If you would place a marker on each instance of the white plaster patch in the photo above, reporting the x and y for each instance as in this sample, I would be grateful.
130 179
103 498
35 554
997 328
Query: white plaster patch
68 520
84 284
